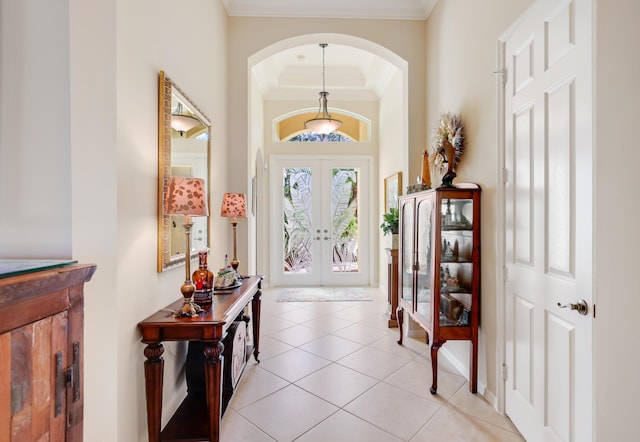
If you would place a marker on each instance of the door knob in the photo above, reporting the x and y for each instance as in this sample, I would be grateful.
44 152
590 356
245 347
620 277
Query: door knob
326 238
317 238
582 307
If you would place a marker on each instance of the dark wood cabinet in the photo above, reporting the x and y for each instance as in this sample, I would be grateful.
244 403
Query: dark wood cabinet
439 268
41 350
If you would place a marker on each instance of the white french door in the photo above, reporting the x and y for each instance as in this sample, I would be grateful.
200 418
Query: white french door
320 231
548 216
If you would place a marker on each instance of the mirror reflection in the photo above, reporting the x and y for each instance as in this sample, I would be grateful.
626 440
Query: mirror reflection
183 150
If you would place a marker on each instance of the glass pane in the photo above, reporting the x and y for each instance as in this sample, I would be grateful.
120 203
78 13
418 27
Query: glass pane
344 219
296 208
425 209
456 270
407 251
457 214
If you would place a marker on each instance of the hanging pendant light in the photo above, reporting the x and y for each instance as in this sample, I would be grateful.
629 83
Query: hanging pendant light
323 123
182 122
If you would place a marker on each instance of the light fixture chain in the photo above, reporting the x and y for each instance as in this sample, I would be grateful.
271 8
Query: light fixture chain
324 45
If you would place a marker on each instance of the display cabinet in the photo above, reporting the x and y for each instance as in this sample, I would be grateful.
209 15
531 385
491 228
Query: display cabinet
439 268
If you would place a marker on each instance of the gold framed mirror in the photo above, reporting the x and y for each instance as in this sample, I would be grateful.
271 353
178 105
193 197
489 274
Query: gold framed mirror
184 149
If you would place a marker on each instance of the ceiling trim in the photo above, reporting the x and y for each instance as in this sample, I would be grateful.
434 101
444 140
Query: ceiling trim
353 9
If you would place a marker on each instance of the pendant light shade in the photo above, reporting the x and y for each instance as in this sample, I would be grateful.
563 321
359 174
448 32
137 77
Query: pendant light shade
182 122
323 123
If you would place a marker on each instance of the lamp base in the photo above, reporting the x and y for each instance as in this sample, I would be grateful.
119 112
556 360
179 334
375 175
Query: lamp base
189 308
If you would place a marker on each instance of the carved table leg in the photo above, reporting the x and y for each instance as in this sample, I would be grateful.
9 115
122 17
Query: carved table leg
213 379
255 310
400 317
435 346
153 376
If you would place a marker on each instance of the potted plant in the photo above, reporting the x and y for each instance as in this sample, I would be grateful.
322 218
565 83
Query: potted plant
390 225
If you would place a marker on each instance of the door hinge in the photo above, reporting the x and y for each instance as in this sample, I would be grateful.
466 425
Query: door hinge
505 372
505 175
505 274
503 75
594 311
67 378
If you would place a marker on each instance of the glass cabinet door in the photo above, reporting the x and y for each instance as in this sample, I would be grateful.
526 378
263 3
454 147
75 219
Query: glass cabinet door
424 256
407 252
456 264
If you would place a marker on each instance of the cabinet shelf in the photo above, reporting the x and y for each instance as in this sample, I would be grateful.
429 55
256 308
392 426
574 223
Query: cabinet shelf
439 258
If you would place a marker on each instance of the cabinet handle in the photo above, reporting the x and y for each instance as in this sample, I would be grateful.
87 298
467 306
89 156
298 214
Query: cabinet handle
582 307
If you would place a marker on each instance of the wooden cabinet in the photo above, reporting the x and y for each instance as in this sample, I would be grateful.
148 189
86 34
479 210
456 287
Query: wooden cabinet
41 350
439 263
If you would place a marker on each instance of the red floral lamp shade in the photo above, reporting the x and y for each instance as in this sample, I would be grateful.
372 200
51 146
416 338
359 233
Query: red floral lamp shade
234 205
186 196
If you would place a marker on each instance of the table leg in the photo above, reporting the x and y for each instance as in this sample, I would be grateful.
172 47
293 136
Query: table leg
255 311
153 376
213 379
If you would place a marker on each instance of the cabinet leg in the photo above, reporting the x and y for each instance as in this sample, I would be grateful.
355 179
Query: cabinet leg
213 378
473 378
153 376
434 364
400 316
255 310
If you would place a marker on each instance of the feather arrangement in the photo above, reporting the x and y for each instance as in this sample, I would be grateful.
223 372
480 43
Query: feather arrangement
448 146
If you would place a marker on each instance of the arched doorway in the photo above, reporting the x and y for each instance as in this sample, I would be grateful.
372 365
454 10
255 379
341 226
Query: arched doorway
271 94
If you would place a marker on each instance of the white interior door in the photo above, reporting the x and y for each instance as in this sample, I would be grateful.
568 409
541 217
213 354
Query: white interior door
320 221
548 204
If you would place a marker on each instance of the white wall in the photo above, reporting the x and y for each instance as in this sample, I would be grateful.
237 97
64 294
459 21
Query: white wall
78 137
461 41
616 236
393 149
35 147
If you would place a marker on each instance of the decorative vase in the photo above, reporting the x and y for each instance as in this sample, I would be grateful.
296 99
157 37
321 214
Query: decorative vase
394 240
203 280
426 172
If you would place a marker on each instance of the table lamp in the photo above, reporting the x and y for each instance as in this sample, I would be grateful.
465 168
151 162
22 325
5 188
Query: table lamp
188 197
234 206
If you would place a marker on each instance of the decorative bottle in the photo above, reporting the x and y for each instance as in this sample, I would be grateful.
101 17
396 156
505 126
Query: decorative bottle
203 280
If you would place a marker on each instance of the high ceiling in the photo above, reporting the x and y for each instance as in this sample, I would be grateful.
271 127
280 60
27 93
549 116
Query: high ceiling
371 9
351 73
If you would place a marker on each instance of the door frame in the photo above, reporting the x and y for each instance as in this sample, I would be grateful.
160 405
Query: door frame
366 259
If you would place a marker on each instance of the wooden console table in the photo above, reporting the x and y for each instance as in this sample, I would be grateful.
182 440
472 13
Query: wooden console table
392 287
196 414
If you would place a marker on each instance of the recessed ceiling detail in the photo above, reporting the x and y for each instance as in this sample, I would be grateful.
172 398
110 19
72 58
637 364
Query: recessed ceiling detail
296 74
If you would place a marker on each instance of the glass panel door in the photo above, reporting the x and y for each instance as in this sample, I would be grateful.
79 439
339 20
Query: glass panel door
319 222
424 255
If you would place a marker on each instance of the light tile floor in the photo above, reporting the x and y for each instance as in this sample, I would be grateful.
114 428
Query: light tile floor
332 371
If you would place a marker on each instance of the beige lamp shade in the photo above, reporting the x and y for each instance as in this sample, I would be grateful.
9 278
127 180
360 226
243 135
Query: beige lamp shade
186 196
234 205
